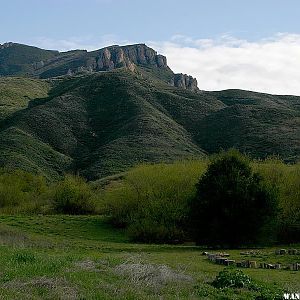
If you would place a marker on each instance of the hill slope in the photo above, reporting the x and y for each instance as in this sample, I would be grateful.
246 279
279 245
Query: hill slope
97 124
103 123
130 108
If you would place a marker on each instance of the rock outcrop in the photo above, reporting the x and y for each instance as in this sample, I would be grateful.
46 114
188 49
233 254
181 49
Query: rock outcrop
185 82
105 59
127 56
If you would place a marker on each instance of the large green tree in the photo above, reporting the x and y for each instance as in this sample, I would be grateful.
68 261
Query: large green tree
233 205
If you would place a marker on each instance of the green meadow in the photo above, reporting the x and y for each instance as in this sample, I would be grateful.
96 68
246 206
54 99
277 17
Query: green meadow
46 253
83 257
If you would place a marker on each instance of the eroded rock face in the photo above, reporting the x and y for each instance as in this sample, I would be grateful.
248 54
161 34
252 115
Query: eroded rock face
128 56
185 82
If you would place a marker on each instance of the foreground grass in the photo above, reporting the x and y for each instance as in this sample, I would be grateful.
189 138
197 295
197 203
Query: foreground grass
72 257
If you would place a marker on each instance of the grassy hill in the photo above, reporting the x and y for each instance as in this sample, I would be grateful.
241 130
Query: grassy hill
19 59
98 124
17 92
103 123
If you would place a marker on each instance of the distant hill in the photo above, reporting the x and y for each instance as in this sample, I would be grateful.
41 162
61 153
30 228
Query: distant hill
101 121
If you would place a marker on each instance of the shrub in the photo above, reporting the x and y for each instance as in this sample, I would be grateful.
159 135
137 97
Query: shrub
20 189
287 179
72 196
153 201
232 204
229 278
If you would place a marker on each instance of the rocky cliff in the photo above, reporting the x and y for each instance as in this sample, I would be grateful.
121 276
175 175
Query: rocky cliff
127 56
53 64
114 57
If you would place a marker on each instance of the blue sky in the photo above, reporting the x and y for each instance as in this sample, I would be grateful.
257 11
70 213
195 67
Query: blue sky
138 20
265 29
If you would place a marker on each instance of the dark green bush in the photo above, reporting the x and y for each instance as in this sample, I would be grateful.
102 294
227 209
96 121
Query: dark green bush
72 196
233 206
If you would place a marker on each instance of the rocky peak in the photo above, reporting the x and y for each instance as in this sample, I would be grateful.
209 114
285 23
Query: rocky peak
140 54
130 56
127 56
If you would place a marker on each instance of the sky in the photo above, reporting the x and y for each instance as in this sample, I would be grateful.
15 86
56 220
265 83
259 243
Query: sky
246 44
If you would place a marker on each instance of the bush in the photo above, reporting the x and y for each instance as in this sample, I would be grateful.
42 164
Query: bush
233 205
232 279
19 189
22 192
287 179
153 201
236 279
72 196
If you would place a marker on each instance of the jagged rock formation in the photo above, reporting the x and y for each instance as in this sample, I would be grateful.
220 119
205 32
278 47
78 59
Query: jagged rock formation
105 59
185 81
108 58
47 64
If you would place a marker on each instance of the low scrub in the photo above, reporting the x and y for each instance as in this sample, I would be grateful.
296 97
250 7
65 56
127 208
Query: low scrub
153 200
229 278
287 179
22 192
237 279
72 196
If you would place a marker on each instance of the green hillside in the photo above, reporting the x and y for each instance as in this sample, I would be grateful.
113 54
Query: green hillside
104 123
98 125
99 113
17 92
18 59
255 123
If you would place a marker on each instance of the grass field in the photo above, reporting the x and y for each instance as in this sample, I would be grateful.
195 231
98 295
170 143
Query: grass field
82 257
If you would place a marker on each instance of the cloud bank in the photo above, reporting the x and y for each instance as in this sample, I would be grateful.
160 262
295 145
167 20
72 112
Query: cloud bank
270 65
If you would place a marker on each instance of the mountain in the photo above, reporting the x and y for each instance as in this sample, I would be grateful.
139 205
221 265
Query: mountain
17 59
99 113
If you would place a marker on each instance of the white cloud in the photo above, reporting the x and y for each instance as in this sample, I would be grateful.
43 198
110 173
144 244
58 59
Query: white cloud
270 65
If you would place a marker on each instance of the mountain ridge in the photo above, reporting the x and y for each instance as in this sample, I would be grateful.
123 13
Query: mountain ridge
83 61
